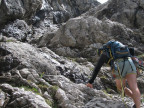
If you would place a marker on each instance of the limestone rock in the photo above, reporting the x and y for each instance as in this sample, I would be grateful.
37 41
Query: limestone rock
128 12
13 9
18 29
79 96
49 47
21 98
83 35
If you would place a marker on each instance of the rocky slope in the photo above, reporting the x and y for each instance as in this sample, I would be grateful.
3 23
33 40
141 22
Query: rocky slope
48 51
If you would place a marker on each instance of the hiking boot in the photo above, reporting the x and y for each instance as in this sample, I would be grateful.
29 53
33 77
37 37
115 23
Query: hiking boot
134 106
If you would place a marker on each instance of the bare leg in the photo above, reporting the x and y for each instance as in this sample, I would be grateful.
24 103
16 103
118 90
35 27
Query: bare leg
128 92
134 90
120 83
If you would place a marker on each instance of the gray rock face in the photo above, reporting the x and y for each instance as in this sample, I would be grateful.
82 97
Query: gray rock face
14 9
62 10
81 36
81 32
47 56
141 3
21 98
79 96
45 61
128 12
18 29
7 61
2 98
55 12
23 51
104 103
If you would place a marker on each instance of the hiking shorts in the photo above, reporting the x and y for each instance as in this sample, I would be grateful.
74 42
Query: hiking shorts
123 68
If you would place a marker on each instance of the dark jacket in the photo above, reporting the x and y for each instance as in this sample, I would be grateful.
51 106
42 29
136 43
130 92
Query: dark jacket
103 59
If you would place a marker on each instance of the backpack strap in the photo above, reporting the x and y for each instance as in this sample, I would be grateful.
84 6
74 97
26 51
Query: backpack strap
123 94
130 64
110 55
123 66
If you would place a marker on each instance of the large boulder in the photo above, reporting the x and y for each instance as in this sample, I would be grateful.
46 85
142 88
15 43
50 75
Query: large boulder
81 36
7 60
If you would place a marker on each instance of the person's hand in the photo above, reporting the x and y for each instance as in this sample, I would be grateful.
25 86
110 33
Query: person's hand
89 85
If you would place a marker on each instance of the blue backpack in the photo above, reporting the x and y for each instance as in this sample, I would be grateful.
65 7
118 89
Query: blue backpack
116 50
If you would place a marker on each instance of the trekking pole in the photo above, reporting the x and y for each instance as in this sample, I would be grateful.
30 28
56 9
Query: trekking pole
123 94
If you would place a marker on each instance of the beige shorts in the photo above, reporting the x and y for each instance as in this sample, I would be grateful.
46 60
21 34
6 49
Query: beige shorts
124 67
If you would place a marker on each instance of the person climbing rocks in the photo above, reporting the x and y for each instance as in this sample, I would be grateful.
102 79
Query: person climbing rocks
123 68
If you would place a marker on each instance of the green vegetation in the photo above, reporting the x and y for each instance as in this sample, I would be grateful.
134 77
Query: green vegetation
139 56
42 74
103 77
53 91
50 103
43 87
10 40
142 99
55 105
107 94
72 59
91 69
108 90
35 90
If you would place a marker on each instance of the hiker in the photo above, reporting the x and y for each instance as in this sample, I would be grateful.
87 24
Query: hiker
126 71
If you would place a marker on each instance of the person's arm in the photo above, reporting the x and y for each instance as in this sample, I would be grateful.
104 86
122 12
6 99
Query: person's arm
103 59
